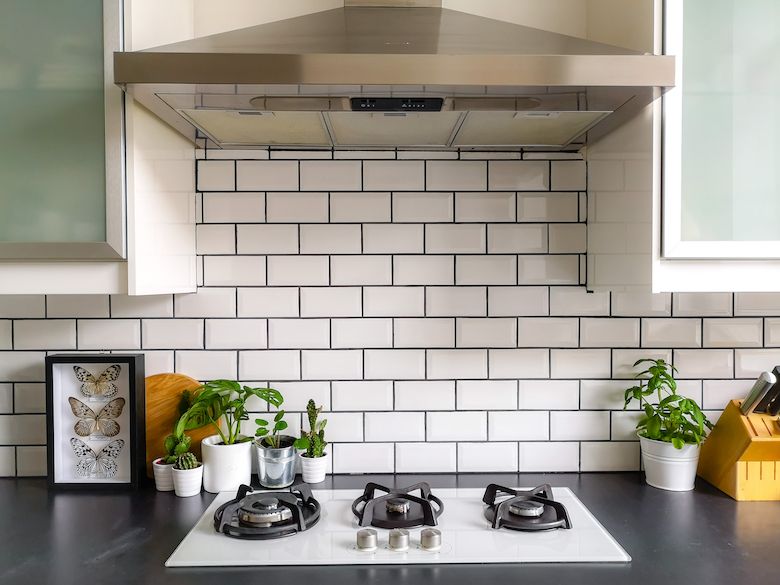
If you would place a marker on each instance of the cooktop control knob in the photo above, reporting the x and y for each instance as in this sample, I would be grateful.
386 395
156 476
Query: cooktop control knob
399 539
430 539
366 539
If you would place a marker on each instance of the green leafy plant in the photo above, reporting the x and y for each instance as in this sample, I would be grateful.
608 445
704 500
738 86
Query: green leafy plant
313 442
224 401
271 437
670 417
176 445
187 461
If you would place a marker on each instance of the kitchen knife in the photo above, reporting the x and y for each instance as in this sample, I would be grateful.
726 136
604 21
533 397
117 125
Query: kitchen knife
771 395
765 382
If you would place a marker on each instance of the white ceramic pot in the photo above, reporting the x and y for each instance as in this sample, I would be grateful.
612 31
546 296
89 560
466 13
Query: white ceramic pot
187 482
163 478
225 467
668 468
314 468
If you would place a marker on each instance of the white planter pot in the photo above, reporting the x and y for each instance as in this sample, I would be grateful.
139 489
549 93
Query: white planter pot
314 468
163 478
668 468
187 482
225 467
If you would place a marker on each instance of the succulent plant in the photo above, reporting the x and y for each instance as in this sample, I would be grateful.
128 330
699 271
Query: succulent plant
187 461
175 445
313 441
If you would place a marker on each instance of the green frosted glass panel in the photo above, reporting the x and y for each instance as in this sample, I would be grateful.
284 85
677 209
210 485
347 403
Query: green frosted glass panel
731 120
52 159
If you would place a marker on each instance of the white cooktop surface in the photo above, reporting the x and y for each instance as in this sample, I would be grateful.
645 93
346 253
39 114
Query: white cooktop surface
466 538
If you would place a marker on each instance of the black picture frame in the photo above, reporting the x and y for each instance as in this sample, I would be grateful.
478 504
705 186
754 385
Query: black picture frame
135 405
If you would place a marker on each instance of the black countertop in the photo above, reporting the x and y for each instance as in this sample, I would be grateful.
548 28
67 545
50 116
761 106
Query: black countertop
696 537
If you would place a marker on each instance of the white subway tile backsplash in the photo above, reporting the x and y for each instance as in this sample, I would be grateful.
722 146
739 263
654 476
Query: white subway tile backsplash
267 239
548 394
407 301
172 333
772 332
6 338
624 425
298 333
216 175
704 363
456 363
394 175
605 456
395 426
547 207
426 458
268 302
702 304
6 398
265 175
361 270
23 306
330 302
485 270
296 207
547 332
424 332
236 334
568 175
101 334
332 364
671 333
269 365
519 363
456 301
233 207
756 304
540 269
718 393
362 396
207 302
363 458
580 363
486 207
331 175
486 332
297 394
579 425
298 270
565 301
749 363
428 395
640 304
8 461
455 239
344 427
517 238
359 207
456 175
423 270
614 332
603 394
29 398
506 301
234 270
42 334
58 306
481 457
423 207
142 306
356 333
518 426
486 395
550 457
22 366
568 238
623 360
207 365
330 239
519 175
393 238
744 332
457 426
394 364
215 239
22 429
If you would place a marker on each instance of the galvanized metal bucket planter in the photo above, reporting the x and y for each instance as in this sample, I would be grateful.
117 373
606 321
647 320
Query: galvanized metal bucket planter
276 467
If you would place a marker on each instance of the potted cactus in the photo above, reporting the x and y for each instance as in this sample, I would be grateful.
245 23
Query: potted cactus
174 445
187 475
312 443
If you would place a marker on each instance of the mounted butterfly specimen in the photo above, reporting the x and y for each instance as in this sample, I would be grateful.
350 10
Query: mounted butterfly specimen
102 464
101 387
103 422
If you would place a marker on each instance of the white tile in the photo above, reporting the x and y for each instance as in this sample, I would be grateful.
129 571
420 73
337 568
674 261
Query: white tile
344 427
601 456
568 238
427 395
771 332
233 207
269 365
518 426
330 302
547 207
297 395
519 175
267 239
756 304
498 269
394 364
576 301
282 154
268 302
456 363
207 365
363 458
298 333
519 363
330 239
638 304
493 207
354 333
362 396
172 333
455 238
548 394
486 394
22 306
7 398
361 270
702 304
297 270
359 207
457 426
507 301
215 239
395 426
331 175
77 306
624 425
743 332
216 175
363 154
44 334
568 175
103 334
236 334
456 301
393 238
547 332
29 398
614 332
30 461
158 362
394 175
393 301
207 302
22 429
456 175
5 334
266 175
705 363
423 270
580 363
487 457
718 393
424 332
297 207
486 332
425 458
423 207
623 360
542 269
8 461
234 270
549 457
517 238
671 333
751 362
142 306
579 426
425 154
603 394
332 364
22 366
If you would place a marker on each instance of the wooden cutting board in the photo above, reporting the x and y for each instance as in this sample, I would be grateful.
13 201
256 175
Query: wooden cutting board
163 393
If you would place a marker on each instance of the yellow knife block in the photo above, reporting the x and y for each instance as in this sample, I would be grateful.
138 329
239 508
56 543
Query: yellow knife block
741 455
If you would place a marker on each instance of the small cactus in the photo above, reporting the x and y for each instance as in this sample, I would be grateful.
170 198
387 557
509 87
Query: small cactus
187 461
313 442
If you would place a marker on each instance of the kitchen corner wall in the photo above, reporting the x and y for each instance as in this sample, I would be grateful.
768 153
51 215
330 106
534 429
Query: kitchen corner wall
431 302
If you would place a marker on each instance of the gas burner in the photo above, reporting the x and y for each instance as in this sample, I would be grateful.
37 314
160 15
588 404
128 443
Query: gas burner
524 510
265 515
398 508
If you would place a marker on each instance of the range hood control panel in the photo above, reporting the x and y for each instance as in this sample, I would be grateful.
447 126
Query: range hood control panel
391 104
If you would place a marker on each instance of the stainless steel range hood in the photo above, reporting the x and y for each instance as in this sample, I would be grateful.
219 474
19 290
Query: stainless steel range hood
393 76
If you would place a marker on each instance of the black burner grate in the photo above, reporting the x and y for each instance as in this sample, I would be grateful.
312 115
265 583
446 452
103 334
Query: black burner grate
499 513
422 510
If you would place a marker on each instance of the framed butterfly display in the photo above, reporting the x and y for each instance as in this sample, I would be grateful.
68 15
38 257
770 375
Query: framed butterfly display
95 420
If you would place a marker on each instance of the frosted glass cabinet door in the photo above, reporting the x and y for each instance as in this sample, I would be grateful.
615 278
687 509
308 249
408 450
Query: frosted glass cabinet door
721 169
60 130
